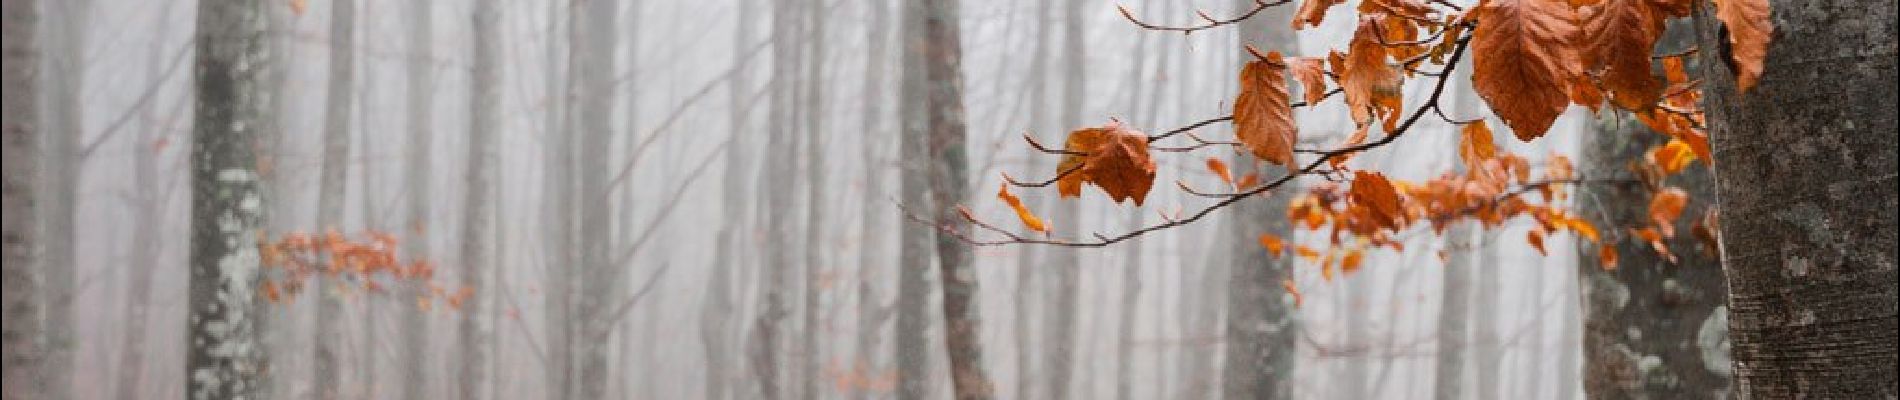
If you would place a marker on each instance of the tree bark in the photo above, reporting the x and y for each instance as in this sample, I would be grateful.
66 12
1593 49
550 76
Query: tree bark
1261 321
331 188
1805 174
420 100
473 330
1454 335
942 53
24 356
223 360
915 253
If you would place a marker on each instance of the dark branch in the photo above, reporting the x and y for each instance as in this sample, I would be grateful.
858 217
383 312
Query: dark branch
1258 6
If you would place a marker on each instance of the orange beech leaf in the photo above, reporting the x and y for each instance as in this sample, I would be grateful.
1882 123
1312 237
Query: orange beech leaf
1672 157
1749 31
1476 145
1559 168
1536 239
1306 253
1674 71
1263 116
1350 262
1080 142
1022 212
1407 9
1372 86
1121 167
1665 207
1311 12
1374 193
1247 182
1520 58
1606 257
1274 245
1618 36
1292 290
1220 169
1581 227
1311 72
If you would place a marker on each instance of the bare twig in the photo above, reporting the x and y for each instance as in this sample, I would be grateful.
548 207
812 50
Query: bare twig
1258 6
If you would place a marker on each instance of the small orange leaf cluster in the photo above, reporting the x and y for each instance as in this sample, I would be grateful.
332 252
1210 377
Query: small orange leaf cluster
297 257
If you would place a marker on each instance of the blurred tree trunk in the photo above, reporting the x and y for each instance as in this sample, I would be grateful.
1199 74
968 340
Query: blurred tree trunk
1131 266
1261 321
472 330
915 253
557 206
812 350
1805 173
420 102
597 279
1028 268
1060 336
1485 344
226 218
65 126
719 309
872 259
278 330
146 208
331 187
771 355
1454 337
24 354
940 56
1642 321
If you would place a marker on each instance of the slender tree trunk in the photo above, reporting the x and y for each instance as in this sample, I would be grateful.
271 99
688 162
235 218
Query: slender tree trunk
1061 338
223 360
771 354
598 280
557 211
145 235
421 128
1805 173
1486 346
720 304
1028 298
942 55
1261 322
24 355
472 330
813 354
332 190
873 260
65 126
915 253
1454 337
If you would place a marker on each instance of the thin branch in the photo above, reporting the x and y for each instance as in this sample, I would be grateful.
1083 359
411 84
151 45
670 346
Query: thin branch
1197 125
1046 150
620 311
1211 22
118 124
1684 53
1051 181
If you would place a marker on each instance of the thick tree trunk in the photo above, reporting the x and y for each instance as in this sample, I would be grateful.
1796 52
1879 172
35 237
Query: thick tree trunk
1261 321
24 356
421 126
1651 328
942 54
331 190
472 330
226 218
915 253
1805 174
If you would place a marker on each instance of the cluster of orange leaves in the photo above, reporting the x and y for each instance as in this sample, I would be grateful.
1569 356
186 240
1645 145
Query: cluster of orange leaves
296 258
1531 59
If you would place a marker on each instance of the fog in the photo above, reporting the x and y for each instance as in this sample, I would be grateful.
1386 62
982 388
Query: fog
660 169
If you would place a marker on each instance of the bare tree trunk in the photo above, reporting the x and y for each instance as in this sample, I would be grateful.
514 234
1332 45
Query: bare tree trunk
227 213
65 126
772 355
720 306
873 260
1261 322
145 247
421 106
332 190
598 280
812 352
1028 298
1454 311
1486 347
1061 338
472 330
915 253
1805 173
941 58
557 211
24 355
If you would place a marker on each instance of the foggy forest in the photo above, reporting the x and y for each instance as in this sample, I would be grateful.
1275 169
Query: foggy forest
968 199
